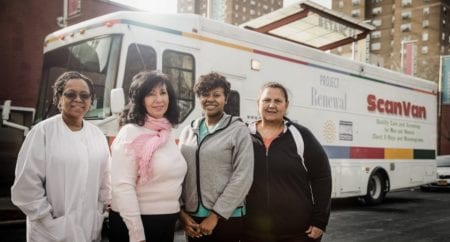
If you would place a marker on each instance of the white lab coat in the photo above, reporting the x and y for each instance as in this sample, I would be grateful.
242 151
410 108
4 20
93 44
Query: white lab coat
62 181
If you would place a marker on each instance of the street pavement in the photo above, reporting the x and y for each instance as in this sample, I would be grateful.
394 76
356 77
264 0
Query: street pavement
404 216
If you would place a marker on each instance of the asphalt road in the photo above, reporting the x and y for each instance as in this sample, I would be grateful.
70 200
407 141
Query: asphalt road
404 216
408 216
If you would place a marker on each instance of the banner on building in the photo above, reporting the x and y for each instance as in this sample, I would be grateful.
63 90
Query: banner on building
73 7
409 57
445 76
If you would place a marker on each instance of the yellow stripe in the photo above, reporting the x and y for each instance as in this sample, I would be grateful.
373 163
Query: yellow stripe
215 41
398 153
52 39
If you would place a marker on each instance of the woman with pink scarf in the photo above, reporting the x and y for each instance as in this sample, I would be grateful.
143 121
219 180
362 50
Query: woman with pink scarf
147 168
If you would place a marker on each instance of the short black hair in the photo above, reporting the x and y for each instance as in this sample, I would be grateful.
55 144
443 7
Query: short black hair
210 81
142 84
61 81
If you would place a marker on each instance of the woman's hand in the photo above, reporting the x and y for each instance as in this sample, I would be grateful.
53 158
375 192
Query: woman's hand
314 232
191 228
208 224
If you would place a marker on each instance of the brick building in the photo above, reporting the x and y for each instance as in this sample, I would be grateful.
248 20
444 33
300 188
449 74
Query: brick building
25 25
422 23
234 12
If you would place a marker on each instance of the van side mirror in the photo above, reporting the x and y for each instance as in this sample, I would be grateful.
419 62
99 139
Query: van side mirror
117 100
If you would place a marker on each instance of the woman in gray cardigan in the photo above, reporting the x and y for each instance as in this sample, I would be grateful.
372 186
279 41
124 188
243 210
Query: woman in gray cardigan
219 153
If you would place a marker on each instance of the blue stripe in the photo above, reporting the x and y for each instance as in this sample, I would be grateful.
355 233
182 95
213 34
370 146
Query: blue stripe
337 152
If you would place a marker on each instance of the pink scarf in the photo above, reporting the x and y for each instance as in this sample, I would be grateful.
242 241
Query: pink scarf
145 145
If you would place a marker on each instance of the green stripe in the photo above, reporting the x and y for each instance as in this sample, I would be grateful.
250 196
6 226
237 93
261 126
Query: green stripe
424 154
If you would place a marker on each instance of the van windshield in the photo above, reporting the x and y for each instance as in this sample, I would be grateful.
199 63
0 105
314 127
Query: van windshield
96 58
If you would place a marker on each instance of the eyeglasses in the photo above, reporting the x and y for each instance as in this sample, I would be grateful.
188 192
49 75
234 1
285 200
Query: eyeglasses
84 96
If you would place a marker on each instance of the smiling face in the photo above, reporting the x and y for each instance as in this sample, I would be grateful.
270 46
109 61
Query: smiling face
213 102
156 102
75 100
272 105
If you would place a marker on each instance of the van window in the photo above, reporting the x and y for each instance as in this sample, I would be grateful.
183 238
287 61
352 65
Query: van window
96 58
139 58
180 67
233 103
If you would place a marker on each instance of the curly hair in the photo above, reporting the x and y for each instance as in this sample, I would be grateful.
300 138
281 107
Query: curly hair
143 83
61 81
210 81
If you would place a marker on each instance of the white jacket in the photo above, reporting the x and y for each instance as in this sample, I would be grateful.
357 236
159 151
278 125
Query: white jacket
62 181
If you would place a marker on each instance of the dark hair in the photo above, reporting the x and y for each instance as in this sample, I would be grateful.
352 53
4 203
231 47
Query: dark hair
142 84
275 85
61 81
208 82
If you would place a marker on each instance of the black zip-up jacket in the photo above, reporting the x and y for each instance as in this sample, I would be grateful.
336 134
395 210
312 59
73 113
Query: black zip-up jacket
288 194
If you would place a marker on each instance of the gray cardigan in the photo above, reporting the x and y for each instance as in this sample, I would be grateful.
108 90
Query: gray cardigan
220 168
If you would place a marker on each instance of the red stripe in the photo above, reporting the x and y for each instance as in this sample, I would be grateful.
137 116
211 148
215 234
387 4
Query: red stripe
279 57
367 153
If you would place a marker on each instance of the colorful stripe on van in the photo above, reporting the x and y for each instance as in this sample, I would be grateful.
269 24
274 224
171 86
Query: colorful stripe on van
110 23
355 152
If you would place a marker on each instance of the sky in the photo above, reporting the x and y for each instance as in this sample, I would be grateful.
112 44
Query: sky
170 6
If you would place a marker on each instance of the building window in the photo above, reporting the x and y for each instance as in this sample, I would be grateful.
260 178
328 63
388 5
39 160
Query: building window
443 36
405 27
425 23
426 11
425 36
424 49
376 22
406 15
341 4
355 2
376 34
376 46
376 11
355 13
406 3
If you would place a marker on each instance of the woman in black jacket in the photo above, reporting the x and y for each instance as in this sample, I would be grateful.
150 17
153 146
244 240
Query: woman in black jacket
291 192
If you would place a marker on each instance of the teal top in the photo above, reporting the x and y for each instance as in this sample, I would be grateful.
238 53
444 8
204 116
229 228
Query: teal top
203 212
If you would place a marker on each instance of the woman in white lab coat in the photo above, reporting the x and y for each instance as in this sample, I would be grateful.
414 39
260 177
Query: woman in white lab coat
62 175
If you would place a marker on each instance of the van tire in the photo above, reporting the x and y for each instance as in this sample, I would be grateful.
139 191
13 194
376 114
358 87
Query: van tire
376 189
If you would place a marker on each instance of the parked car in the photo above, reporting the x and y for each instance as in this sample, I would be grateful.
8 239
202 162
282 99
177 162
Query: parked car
442 174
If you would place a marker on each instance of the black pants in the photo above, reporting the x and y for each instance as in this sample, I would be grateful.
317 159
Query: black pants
158 228
230 230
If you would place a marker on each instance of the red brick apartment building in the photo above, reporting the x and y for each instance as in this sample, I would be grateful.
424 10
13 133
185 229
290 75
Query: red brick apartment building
24 25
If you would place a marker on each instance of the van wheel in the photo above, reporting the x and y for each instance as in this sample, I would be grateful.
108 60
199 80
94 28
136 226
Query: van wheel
376 189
